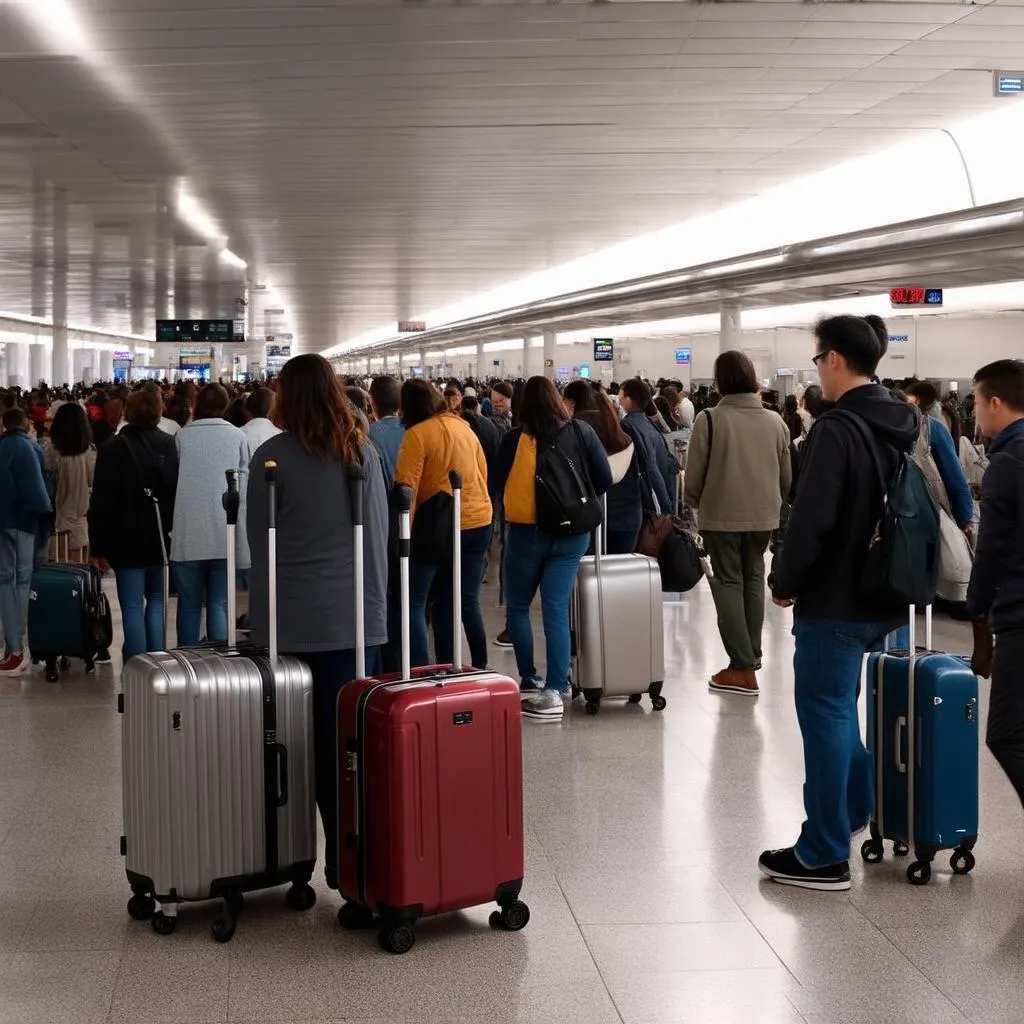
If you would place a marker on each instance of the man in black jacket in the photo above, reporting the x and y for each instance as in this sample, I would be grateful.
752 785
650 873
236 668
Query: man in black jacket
838 504
995 598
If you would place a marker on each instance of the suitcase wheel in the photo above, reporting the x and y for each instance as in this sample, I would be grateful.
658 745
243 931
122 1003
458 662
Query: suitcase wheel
65 664
397 938
962 862
593 706
52 672
872 851
919 873
659 703
141 907
301 896
513 918
223 929
162 924
900 849
354 917
635 698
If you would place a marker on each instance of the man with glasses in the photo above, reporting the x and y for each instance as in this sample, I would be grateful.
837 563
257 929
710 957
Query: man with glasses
838 503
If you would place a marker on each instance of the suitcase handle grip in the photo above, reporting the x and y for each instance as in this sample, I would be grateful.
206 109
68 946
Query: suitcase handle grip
897 745
281 753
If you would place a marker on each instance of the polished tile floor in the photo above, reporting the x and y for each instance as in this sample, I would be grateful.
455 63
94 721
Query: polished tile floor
643 831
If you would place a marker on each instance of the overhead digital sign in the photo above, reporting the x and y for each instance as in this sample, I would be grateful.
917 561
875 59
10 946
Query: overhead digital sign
213 331
915 297
604 350
683 356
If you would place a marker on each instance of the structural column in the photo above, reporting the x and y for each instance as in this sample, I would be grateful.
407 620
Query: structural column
39 356
550 340
137 277
481 361
17 364
41 365
163 264
61 356
730 332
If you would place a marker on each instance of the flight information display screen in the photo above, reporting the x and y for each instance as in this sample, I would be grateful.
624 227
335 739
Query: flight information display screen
214 331
604 350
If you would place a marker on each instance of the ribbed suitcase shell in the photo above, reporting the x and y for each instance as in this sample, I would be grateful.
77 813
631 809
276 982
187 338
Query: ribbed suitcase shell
632 628
194 779
945 763
431 792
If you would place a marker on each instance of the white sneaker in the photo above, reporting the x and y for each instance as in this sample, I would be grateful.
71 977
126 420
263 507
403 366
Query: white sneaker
544 706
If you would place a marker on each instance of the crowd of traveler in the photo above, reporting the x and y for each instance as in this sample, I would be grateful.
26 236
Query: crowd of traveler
132 479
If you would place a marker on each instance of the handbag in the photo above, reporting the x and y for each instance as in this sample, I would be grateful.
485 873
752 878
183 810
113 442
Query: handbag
433 526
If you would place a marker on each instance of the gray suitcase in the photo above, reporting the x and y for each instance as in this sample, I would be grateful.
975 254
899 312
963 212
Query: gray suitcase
618 640
218 777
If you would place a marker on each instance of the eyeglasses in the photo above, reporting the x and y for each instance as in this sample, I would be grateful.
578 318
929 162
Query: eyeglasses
817 360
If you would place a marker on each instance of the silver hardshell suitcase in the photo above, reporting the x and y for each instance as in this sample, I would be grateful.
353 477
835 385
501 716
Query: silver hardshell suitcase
618 640
217 760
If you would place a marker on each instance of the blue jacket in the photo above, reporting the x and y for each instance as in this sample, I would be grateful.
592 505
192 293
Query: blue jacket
654 457
23 495
952 472
996 592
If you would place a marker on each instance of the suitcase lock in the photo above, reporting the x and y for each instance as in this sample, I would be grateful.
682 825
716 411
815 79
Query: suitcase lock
352 762
176 721
971 710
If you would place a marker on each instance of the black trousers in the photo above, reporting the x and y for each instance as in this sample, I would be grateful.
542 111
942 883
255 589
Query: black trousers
1006 710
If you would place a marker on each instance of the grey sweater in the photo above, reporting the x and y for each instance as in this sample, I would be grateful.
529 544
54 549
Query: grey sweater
206 450
315 549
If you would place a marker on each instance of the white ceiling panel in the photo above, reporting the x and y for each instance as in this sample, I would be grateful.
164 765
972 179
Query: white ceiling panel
376 160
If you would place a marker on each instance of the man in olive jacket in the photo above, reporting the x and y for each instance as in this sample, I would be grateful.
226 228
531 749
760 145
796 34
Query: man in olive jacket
737 472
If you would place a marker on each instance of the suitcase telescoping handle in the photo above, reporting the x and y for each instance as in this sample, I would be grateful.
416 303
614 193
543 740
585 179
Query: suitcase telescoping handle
232 501
357 480
403 495
455 479
910 765
270 476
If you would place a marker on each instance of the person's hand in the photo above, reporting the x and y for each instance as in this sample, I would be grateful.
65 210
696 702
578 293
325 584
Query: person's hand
782 602
981 659
102 564
968 532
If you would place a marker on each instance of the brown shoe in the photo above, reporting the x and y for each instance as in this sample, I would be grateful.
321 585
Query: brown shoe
735 680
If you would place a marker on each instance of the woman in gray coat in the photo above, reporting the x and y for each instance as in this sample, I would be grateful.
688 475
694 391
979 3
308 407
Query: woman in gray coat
316 553
207 448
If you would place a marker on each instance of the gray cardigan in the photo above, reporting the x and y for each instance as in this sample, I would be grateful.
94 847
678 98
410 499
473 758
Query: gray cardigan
315 567
206 450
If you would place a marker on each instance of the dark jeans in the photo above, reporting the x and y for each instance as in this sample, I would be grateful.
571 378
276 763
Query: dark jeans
738 589
839 791
140 593
198 583
434 582
1006 709
331 671
534 559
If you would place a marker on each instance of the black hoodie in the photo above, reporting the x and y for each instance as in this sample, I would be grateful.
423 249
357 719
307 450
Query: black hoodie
839 501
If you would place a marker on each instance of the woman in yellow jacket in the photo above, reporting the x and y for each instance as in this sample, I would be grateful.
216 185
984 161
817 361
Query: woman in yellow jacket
436 442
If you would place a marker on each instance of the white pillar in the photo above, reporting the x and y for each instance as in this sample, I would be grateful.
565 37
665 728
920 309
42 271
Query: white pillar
730 333
481 360
40 232
103 364
41 364
163 267
4 348
550 341
17 364
61 354
526 357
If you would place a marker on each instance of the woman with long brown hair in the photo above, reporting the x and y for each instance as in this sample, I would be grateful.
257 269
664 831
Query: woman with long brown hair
321 438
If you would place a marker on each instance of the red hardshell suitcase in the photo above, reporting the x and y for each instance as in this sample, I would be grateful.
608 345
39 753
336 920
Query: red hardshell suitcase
430 791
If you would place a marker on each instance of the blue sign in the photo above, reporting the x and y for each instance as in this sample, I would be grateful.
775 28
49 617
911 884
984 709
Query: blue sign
1009 85
585 371
933 297
683 356
898 339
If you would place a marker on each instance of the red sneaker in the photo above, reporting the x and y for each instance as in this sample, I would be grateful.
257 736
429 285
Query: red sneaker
12 663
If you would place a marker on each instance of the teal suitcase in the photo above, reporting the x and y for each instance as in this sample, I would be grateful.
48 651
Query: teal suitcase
68 616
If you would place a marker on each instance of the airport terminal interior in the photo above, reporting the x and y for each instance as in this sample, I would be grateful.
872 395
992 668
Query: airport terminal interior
450 189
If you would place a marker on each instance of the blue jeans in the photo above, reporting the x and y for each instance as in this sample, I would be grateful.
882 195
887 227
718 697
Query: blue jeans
17 557
534 559
198 583
140 592
428 581
331 670
839 791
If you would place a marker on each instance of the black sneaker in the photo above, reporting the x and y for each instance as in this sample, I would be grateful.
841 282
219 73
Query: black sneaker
782 866
503 639
103 657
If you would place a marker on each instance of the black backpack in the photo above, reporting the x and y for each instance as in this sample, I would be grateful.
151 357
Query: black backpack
566 503
902 562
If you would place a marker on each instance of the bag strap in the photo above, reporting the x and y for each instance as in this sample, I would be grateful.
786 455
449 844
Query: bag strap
867 435
709 419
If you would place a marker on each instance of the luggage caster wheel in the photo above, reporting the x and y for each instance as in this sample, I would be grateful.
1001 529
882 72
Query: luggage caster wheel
593 707
962 862
162 924
141 907
635 698
90 667
65 664
659 703
900 849
515 917
35 661
919 873
575 691
872 851
354 917
301 897
397 938
223 929
52 675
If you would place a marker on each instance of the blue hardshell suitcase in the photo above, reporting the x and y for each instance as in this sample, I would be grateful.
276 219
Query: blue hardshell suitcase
927 802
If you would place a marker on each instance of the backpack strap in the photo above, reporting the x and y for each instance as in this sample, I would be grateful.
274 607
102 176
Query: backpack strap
860 425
